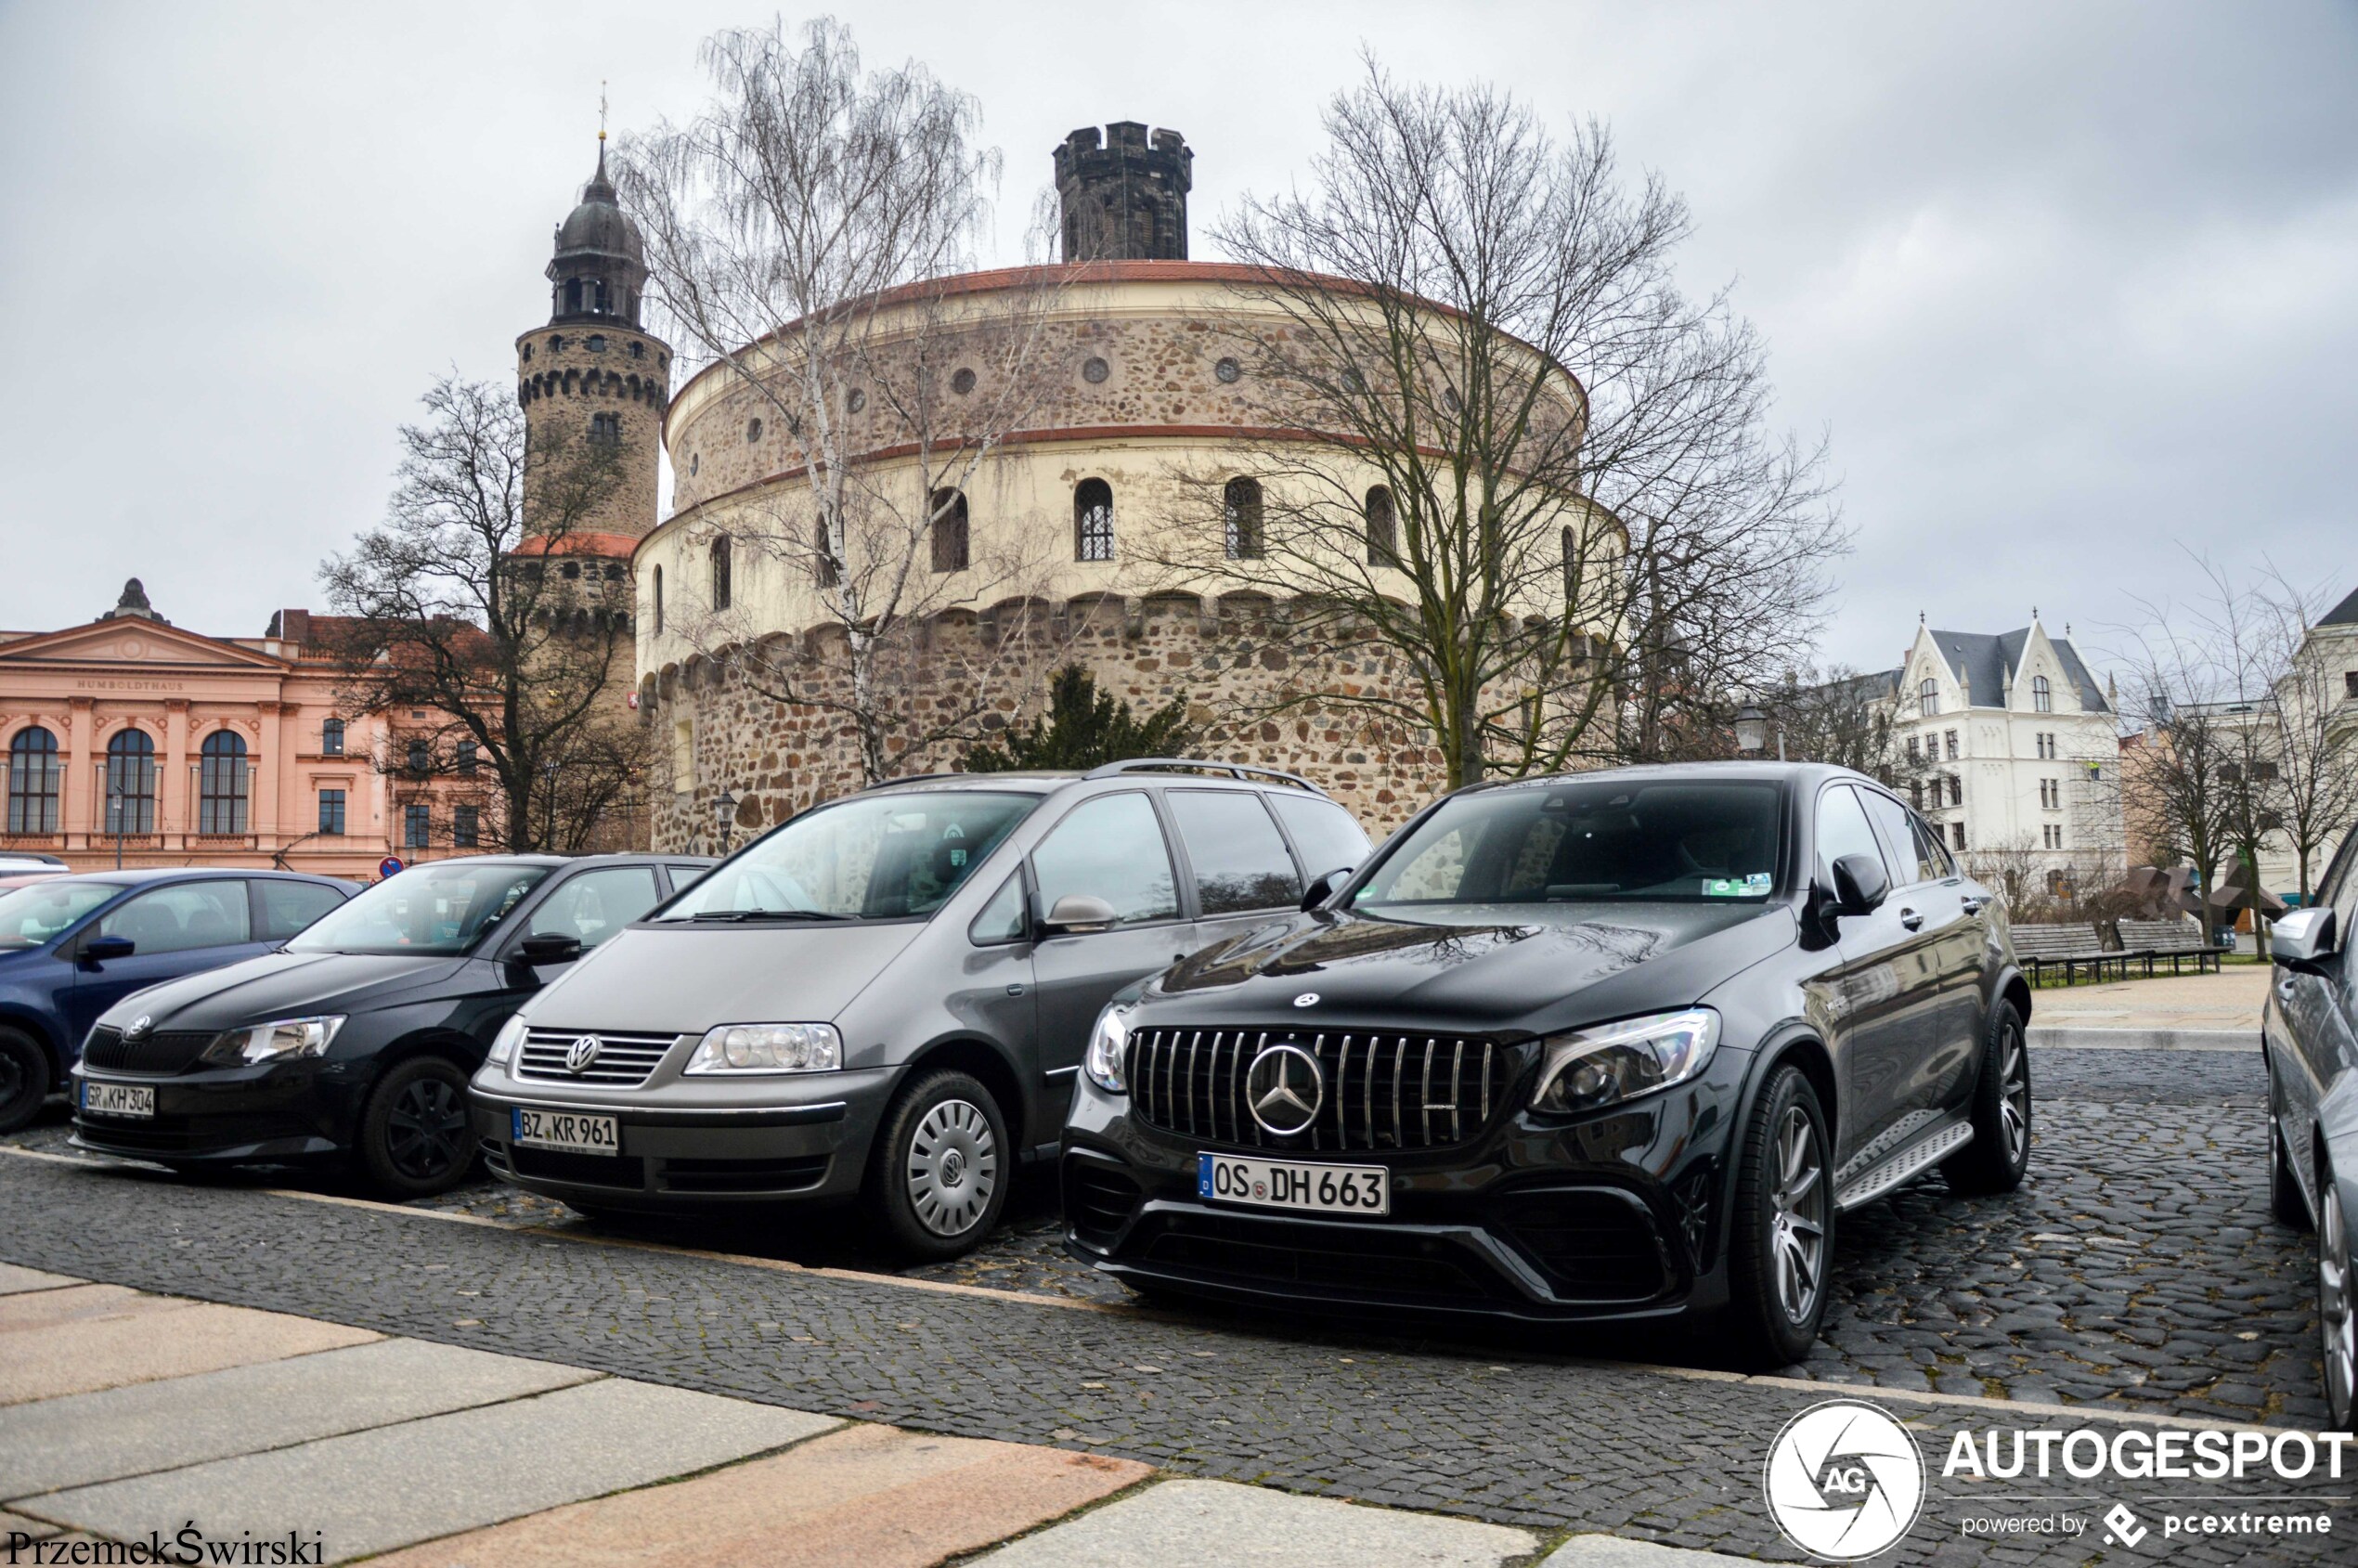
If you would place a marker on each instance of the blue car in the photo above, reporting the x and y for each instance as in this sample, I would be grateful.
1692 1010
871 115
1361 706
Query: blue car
73 945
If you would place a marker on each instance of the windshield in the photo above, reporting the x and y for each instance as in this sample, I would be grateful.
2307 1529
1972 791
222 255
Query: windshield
31 916
1586 841
885 857
440 908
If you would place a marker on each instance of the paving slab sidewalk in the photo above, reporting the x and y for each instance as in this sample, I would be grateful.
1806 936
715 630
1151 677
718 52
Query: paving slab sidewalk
2166 1013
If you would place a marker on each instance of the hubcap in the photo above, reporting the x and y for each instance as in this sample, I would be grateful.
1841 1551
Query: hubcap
2013 1096
426 1129
1797 1223
953 1168
2334 1314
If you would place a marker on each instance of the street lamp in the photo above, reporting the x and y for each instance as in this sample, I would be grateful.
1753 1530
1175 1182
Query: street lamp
1752 728
724 812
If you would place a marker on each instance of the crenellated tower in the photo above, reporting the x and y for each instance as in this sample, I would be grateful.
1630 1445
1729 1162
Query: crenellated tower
593 373
1125 193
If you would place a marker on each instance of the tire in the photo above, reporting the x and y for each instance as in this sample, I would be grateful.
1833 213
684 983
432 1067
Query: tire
1781 1240
24 1080
2336 1311
415 1140
2285 1200
2000 1153
939 1178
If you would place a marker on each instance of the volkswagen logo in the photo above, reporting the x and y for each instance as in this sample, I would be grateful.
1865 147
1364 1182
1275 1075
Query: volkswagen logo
1284 1088
582 1052
1307 999
138 1026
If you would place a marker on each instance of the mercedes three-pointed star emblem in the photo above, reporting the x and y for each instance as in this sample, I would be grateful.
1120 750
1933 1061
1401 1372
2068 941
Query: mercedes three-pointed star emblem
1284 1088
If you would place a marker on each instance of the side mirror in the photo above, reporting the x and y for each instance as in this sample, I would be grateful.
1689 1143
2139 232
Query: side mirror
2305 938
549 947
1860 884
1325 886
1078 911
97 950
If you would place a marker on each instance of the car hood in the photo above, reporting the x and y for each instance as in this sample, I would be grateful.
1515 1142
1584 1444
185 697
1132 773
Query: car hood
285 985
678 979
1508 968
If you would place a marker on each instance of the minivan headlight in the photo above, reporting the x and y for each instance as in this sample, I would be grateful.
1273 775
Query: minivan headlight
503 1046
1107 1043
282 1041
1594 1068
768 1048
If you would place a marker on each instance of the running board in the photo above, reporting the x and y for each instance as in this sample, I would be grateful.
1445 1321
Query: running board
1905 1166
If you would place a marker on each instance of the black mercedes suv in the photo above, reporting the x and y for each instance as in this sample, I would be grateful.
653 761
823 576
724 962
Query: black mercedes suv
1616 1045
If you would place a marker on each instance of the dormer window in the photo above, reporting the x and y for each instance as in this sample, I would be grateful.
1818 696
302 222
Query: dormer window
1928 698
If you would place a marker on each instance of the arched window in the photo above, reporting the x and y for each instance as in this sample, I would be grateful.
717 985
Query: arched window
131 782
1928 698
658 602
1092 521
1383 529
331 737
1569 543
33 781
222 783
948 510
720 594
2042 696
1241 503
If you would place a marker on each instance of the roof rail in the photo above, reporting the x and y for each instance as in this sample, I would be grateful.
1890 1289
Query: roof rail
1235 769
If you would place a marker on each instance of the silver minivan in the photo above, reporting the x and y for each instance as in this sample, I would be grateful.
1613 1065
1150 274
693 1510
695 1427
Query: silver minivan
887 997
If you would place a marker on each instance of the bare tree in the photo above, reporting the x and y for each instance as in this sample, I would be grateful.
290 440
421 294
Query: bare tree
1528 462
516 647
2309 741
805 233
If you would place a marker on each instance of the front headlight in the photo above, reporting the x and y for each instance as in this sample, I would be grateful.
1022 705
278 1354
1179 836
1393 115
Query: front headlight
503 1046
768 1048
283 1041
1107 1043
1614 1062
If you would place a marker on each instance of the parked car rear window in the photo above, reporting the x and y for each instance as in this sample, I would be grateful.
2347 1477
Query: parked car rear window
289 907
1580 842
30 917
440 908
1240 859
875 857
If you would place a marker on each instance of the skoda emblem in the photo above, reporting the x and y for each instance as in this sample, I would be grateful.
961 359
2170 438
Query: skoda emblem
582 1052
1307 999
138 1026
1284 1088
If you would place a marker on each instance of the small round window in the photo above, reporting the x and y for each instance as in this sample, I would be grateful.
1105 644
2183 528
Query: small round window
1095 369
857 401
752 431
962 382
1228 370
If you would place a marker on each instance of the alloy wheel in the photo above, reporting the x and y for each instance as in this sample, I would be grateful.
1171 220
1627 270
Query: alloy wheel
425 1130
2335 1316
954 1166
1797 1223
2014 1096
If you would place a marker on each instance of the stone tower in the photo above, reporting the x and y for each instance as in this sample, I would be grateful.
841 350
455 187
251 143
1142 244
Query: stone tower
1125 193
592 373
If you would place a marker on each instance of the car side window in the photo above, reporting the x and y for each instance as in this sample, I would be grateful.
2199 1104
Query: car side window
1002 918
1112 848
1328 837
596 904
1930 850
287 907
1842 830
1237 855
181 918
686 876
1900 853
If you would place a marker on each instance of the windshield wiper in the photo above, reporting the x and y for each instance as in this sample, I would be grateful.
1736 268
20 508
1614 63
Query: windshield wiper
746 914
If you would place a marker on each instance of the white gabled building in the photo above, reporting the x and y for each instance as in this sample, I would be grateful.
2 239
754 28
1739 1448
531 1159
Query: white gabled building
2013 750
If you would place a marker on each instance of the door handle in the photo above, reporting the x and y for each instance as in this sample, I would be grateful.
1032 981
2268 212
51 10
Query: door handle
1910 919
2283 988
1971 906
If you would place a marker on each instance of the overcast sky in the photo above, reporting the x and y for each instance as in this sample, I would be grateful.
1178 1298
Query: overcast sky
2073 289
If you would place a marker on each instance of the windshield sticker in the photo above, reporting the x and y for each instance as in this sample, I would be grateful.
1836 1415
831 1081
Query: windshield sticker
1750 887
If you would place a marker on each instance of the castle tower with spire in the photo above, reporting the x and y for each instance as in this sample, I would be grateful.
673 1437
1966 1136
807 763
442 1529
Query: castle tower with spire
593 373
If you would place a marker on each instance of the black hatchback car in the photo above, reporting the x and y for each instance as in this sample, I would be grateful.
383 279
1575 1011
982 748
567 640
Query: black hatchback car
354 1040
1609 1045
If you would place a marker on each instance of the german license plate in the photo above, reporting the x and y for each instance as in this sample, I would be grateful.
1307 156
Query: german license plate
117 1099
1279 1184
565 1130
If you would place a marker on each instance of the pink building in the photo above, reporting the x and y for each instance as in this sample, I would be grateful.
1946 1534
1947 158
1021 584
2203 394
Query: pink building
129 735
